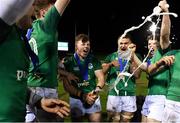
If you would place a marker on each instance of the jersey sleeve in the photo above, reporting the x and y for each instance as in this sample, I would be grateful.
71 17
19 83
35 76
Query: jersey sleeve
51 19
107 59
97 64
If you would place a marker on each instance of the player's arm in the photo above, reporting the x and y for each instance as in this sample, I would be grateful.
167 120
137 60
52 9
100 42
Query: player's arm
100 77
165 26
159 65
61 5
55 106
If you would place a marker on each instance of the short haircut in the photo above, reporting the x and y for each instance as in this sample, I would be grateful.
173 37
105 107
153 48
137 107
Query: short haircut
82 37
156 38
151 37
128 36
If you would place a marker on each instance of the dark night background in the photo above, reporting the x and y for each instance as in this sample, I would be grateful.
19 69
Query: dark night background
105 20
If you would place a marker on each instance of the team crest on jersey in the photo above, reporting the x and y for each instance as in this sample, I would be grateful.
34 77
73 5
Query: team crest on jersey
90 66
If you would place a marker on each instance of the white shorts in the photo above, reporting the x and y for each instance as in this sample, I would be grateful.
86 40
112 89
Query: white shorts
171 111
30 117
76 103
121 103
153 107
45 92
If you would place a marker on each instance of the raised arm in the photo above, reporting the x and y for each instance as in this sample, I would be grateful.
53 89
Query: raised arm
61 5
165 26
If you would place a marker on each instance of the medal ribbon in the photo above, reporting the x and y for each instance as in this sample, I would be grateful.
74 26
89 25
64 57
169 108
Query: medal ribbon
122 64
83 68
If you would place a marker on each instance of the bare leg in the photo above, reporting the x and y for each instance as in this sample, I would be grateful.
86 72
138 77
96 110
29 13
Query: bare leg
126 116
113 116
94 117
144 119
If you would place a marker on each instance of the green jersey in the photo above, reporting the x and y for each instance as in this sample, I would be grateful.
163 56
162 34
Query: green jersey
158 81
13 77
92 63
44 43
173 91
128 90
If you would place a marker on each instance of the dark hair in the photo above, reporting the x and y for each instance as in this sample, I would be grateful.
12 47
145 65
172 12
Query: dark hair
82 37
151 37
126 36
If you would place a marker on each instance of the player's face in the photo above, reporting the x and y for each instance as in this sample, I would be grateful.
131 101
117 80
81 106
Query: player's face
124 43
82 48
45 10
152 44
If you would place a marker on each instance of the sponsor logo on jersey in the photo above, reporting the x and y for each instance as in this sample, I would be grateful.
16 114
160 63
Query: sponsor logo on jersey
90 65
21 75
84 83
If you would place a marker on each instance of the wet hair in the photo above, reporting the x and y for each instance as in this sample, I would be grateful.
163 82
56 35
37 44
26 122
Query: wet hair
156 38
151 37
126 36
82 37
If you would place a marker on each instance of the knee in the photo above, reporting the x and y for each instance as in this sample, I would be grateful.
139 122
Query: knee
126 117
116 118
113 117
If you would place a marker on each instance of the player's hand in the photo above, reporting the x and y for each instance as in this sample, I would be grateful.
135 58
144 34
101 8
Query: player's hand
167 60
115 63
56 106
90 98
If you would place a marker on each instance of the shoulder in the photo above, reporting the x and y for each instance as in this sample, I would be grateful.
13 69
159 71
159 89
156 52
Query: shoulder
114 54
